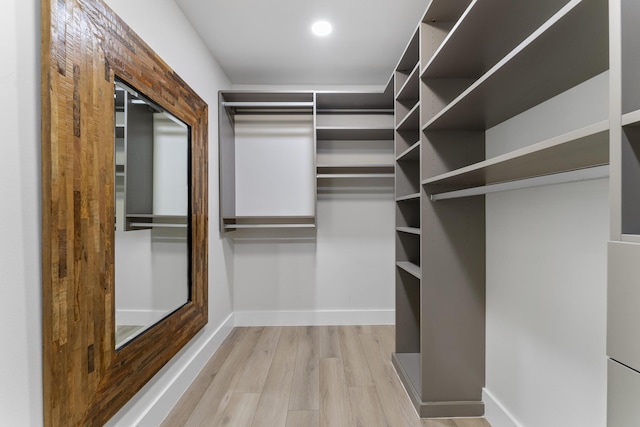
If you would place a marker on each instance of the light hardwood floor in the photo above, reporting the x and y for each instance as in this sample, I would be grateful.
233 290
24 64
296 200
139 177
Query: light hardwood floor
315 376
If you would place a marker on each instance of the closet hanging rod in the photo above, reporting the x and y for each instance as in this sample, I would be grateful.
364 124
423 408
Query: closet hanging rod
586 174
354 110
157 224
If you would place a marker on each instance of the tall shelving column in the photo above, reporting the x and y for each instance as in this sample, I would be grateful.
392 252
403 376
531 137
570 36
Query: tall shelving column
482 64
408 229
623 292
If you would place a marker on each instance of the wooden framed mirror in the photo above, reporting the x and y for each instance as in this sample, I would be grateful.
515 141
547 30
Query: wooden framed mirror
85 49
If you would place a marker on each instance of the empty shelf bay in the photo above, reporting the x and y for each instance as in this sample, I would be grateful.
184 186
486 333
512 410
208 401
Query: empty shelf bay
579 149
573 52
238 222
631 119
409 198
511 23
409 230
410 268
353 133
354 171
411 153
410 90
411 120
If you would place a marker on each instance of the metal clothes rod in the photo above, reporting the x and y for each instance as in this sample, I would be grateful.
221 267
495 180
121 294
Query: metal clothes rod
354 110
269 226
355 175
539 181
267 104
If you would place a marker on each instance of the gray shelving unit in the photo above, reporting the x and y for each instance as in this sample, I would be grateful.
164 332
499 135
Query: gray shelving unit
623 292
354 132
234 104
483 62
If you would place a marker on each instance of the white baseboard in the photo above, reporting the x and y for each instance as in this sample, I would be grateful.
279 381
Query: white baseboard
314 317
157 398
496 413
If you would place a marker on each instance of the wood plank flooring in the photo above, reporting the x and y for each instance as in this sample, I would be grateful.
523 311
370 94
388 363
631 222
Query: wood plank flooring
308 376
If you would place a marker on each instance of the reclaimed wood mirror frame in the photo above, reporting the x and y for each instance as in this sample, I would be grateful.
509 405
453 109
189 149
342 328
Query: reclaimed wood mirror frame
84 46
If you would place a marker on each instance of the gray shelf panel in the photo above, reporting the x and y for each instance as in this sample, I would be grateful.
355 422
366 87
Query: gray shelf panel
409 198
411 121
631 119
257 97
410 90
410 56
355 100
411 153
410 268
445 10
579 149
353 133
237 222
354 169
407 367
486 32
567 50
409 230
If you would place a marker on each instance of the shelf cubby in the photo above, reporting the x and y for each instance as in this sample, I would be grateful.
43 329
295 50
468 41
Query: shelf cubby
410 268
512 22
411 153
573 52
436 24
407 62
409 93
353 133
355 171
579 149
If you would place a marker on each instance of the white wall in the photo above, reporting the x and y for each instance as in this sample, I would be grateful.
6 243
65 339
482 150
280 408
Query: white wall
167 31
163 26
546 281
341 273
20 277
344 274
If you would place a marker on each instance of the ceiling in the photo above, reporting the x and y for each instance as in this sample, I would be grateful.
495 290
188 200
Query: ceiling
269 42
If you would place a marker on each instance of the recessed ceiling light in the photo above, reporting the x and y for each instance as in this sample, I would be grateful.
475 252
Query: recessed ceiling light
321 28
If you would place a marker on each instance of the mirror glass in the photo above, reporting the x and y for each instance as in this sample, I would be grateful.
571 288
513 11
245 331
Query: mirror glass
152 211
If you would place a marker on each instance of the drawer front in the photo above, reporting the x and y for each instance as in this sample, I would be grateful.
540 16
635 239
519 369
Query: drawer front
623 409
623 303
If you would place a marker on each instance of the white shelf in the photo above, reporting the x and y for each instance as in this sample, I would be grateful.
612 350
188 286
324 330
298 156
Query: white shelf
582 148
511 22
411 153
410 268
559 55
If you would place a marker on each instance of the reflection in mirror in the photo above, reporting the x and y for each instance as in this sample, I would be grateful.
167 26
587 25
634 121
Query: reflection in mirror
151 223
